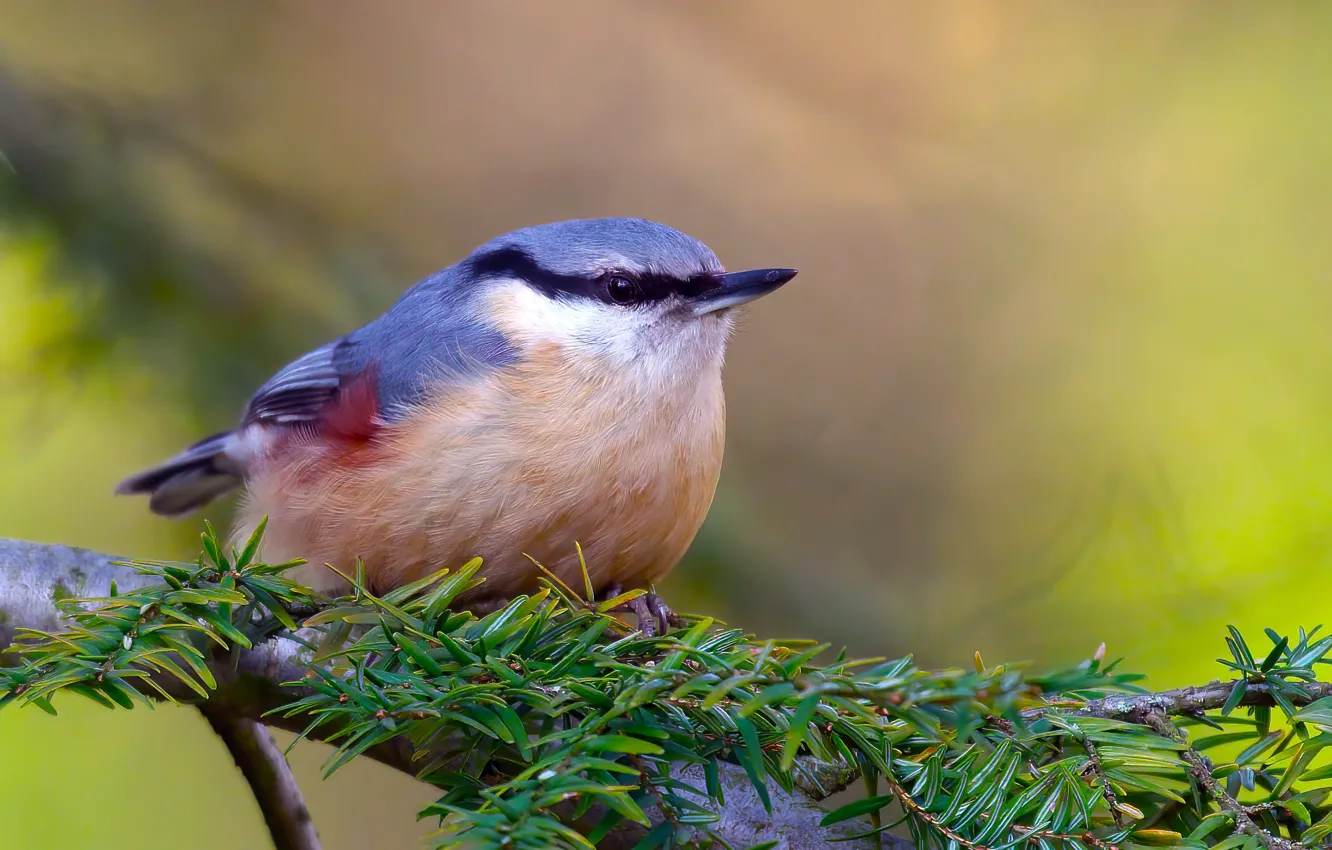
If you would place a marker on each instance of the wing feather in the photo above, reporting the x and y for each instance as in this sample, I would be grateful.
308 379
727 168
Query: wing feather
300 391
432 337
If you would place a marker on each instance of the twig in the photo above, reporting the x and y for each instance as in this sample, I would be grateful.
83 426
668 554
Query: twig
265 768
1184 701
1161 725
1107 790
909 804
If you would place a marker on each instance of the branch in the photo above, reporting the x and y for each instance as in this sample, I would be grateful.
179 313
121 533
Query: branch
1202 771
266 769
1137 708
34 576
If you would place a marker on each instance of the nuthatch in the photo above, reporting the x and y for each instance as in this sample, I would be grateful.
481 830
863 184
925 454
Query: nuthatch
560 385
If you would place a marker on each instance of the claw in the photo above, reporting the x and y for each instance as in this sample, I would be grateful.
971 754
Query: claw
646 624
654 617
665 616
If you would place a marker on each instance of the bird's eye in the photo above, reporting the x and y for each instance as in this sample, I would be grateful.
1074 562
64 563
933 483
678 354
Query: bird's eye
621 289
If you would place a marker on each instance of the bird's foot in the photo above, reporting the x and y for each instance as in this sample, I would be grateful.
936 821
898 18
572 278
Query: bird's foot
662 612
650 610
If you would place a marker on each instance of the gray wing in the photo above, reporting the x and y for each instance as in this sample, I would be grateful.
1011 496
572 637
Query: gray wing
301 390
431 338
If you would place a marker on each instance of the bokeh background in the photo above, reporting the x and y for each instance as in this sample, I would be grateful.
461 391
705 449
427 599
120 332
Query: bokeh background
1057 368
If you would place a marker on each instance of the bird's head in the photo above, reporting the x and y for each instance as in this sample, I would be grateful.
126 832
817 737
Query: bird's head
621 290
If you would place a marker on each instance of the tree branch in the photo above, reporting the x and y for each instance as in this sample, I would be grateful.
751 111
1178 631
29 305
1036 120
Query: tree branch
266 769
34 576
1202 771
251 682
1137 708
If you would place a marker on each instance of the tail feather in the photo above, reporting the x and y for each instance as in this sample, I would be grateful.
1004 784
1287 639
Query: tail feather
187 481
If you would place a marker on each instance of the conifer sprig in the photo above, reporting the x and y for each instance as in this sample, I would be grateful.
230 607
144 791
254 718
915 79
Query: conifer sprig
550 722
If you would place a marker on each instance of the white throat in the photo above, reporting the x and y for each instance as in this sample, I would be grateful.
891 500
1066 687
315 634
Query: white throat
651 349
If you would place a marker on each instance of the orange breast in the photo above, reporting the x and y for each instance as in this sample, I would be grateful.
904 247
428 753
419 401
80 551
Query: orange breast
529 462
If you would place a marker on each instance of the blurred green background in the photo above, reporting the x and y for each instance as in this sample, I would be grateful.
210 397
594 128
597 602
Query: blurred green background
1057 368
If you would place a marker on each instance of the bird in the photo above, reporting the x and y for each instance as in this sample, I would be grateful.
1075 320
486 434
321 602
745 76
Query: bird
553 398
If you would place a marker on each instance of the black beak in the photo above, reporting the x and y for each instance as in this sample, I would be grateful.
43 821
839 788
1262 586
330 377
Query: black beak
736 288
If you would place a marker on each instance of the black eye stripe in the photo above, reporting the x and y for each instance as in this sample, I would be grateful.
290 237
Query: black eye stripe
647 288
517 263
